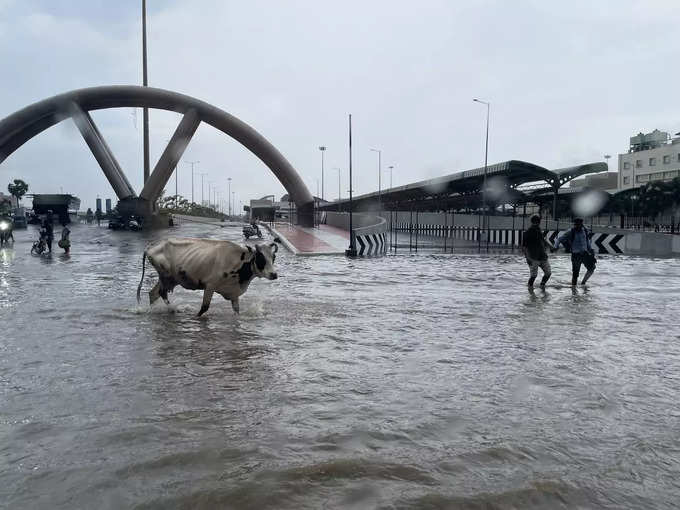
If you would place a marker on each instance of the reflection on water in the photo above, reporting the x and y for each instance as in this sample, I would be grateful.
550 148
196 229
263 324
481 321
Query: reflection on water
411 381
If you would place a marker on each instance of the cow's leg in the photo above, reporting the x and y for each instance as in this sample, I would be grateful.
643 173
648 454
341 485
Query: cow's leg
207 296
167 284
154 293
234 305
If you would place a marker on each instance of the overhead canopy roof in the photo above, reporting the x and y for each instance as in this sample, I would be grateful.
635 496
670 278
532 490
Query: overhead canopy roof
463 189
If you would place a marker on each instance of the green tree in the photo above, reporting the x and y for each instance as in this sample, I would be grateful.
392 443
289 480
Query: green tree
18 189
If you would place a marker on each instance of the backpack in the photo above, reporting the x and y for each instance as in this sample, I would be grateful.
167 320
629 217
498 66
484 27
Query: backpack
569 240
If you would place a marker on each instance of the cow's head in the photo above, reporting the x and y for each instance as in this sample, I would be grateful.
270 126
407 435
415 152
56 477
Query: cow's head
263 263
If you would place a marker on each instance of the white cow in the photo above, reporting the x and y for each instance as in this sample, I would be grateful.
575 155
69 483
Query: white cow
212 266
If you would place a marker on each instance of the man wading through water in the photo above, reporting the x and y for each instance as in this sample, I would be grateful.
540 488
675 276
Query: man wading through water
534 248
577 241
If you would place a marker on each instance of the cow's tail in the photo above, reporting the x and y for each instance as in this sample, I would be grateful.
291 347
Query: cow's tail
139 287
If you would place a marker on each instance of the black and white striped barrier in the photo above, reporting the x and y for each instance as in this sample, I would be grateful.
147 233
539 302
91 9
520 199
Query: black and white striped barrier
371 244
601 243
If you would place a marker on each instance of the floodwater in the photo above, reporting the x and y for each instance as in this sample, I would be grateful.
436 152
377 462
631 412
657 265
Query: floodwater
411 381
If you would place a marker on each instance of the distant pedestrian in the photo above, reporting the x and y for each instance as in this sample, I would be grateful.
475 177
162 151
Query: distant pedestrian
577 240
98 215
65 242
89 215
534 248
48 227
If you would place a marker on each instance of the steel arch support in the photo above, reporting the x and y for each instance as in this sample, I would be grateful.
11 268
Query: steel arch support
21 126
101 152
171 156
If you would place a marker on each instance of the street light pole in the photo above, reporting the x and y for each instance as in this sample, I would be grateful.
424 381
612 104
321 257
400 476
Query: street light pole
390 168
486 161
339 193
145 83
322 149
192 163
203 199
229 194
379 172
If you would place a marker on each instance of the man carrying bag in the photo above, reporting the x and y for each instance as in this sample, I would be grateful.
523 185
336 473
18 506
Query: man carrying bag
577 240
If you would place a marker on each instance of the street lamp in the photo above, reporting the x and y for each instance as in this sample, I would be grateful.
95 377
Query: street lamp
202 199
229 195
390 168
339 194
322 149
379 171
192 163
486 162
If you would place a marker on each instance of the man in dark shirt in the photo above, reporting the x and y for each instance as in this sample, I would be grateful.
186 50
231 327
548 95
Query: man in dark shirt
534 248
48 225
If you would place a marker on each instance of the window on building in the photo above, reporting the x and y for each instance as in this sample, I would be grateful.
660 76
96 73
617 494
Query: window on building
670 175
626 180
626 165
656 176
641 178
638 163
666 160
652 161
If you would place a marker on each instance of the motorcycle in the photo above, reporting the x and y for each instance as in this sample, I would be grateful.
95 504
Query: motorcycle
252 231
40 245
6 231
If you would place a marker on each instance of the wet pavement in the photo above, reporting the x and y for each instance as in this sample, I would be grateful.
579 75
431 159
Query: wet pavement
422 380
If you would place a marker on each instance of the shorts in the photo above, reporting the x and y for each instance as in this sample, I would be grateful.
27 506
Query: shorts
535 264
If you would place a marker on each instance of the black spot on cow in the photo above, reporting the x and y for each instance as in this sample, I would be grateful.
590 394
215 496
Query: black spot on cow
243 255
245 273
250 250
225 274
260 261
201 285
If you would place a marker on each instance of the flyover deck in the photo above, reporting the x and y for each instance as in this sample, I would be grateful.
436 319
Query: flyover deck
321 240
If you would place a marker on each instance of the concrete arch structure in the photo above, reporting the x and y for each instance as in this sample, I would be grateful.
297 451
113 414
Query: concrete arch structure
21 126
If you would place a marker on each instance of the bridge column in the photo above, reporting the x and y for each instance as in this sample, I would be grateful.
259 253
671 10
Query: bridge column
101 152
171 156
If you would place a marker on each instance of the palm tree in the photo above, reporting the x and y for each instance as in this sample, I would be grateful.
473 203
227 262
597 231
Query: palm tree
18 189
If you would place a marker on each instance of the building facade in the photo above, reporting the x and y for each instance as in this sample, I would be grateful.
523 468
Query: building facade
652 157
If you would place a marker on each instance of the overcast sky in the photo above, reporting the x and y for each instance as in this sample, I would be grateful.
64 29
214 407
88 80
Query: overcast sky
568 82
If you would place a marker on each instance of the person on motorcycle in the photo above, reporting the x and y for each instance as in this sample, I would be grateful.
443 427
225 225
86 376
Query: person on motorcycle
6 233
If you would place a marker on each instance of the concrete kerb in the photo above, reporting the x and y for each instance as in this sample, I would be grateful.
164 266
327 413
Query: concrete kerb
285 242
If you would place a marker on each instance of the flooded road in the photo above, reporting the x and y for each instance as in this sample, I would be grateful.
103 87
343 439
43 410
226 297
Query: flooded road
410 381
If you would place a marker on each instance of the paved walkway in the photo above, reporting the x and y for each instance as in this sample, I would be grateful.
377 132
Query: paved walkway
323 240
